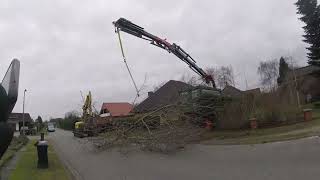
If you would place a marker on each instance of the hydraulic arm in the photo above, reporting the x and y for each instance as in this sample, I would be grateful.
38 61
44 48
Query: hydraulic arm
133 29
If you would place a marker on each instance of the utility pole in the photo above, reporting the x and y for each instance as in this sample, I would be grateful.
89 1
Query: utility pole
24 97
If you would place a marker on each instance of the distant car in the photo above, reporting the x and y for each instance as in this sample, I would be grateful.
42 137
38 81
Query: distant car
51 128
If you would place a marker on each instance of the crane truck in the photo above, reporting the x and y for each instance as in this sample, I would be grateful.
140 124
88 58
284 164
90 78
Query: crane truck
200 96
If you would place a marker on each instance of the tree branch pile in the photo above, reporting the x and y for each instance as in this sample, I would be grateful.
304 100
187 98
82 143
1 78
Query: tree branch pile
162 130
166 129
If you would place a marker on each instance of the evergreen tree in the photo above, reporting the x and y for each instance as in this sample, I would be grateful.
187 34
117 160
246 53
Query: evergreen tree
39 120
39 123
283 70
310 11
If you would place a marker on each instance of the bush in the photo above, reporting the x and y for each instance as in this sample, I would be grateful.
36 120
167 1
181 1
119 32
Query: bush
274 109
317 105
68 122
235 115
23 139
270 109
18 142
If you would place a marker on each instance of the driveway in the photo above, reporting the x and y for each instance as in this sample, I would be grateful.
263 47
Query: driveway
293 160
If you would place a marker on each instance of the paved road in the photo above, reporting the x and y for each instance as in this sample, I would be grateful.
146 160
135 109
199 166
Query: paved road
294 160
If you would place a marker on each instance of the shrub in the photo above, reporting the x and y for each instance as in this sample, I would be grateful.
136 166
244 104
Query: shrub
235 115
68 124
69 120
275 109
317 105
18 142
270 109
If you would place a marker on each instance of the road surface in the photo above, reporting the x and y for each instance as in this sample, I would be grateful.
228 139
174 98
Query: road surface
294 160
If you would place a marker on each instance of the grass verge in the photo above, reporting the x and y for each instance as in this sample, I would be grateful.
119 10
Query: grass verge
15 145
26 168
283 133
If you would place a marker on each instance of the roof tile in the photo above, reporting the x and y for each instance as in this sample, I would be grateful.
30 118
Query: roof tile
117 109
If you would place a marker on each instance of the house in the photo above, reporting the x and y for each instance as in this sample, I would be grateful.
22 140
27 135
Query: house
15 120
234 92
116 109
307 81
304 71
169 93
253 92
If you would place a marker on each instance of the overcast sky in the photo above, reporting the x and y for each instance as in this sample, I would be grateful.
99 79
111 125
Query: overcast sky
68 46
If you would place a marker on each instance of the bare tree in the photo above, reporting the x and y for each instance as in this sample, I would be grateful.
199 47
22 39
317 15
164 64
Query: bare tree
269 71
191 79
223 76
73 113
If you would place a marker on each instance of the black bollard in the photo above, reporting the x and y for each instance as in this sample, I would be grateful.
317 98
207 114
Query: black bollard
42 148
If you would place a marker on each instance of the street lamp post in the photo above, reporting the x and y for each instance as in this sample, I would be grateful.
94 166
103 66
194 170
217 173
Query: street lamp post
24 97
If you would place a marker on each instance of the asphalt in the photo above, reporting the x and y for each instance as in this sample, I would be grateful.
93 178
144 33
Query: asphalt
294 160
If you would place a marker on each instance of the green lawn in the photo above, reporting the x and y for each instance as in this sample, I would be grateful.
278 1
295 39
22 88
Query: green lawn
26 168
283 133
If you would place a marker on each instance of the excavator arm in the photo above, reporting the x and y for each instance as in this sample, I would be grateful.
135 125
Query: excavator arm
135 30
87 106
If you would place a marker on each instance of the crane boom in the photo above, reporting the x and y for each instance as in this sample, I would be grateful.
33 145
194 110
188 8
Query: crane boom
135 30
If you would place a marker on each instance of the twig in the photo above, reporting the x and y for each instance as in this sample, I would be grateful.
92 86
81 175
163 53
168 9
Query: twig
146 126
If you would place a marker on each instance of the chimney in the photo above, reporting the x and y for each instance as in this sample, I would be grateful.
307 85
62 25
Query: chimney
150 93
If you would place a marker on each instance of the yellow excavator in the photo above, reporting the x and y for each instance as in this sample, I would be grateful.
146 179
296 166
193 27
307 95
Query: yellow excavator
87 126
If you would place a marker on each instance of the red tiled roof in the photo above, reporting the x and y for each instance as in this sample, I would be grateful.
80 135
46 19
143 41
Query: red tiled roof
117 109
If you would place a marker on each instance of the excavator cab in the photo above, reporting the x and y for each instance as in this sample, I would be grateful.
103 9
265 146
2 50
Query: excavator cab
85 129
79 129
78 125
